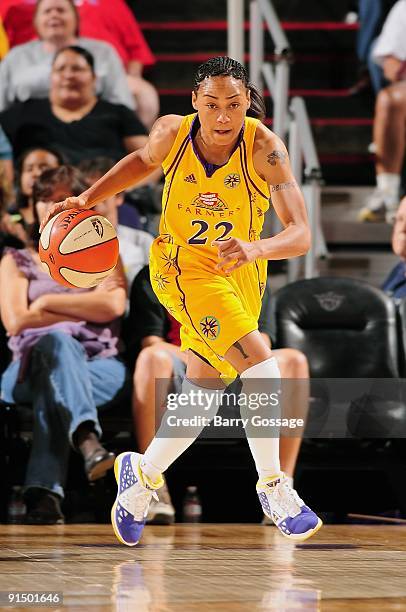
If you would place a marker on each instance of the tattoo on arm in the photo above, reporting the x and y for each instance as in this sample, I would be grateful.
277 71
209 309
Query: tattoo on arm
240 348
284 186
277 156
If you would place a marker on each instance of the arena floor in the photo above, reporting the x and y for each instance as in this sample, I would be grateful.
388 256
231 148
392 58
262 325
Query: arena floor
204 567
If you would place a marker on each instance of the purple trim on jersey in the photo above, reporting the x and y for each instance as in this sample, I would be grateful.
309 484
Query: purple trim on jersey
248 174
246 178
245 175
177 154
184 303
210 169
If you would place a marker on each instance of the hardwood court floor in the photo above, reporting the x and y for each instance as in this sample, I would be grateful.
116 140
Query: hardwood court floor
197 568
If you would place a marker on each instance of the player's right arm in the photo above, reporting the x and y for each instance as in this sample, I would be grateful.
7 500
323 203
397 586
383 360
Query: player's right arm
128 171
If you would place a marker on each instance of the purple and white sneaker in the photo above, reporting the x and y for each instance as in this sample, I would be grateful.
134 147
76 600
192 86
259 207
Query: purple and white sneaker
134 495
282 504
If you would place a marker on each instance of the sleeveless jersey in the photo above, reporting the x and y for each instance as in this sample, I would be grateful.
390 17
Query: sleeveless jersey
200 205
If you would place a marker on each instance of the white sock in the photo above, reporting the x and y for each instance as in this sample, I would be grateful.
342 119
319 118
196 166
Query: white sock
150 470
171 441
262 378
290 480
389 183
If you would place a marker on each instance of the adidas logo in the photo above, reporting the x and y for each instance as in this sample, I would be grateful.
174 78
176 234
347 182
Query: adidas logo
191 179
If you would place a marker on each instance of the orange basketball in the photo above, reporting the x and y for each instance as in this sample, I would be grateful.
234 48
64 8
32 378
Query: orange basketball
78 248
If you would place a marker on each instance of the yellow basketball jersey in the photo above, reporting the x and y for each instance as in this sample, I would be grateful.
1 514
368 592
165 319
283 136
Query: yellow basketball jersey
202 203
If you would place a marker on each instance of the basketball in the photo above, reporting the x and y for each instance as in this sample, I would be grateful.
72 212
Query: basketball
78 248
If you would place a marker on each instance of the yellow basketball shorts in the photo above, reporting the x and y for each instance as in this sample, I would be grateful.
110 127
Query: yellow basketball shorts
214 310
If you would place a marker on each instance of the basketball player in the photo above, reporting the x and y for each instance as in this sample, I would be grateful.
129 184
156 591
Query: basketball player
208 268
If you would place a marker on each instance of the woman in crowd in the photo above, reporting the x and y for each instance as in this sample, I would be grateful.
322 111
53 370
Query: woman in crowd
65 365
30 166
73 120
24 72
111 21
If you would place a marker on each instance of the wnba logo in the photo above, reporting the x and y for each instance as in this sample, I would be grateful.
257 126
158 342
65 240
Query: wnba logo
98 226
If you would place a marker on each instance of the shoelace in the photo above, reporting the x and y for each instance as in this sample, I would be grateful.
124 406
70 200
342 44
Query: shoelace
285 500
163 495
294 499
140 503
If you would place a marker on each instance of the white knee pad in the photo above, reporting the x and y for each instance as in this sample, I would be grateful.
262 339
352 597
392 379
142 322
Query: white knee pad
201 400
187 414
260 382
266 369
190 410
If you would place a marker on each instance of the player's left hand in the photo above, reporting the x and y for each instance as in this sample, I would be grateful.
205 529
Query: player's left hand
235 250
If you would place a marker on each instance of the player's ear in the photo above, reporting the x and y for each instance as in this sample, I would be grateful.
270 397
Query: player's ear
194 100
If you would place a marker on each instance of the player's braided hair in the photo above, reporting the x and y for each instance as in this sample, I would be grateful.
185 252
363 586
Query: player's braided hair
226 66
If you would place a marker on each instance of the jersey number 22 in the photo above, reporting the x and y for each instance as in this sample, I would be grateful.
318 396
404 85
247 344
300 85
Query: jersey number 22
198 238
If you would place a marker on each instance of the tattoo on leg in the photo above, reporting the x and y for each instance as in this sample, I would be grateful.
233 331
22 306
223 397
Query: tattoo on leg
276 156
283 186
240 348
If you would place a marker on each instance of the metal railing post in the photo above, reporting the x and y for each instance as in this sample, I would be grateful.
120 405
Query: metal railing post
301 142
277 79
274 27
235 31
311 191
281 97
256 44
295 149
311 159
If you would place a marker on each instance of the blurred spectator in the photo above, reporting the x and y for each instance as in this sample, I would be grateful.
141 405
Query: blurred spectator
73 120
3 41
6 156
92 170
134 243
10 234
371 16
25 71
113 22
64 344
390 48
395 283
17 16
30 166
154 353
390 118
5 188
108 20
